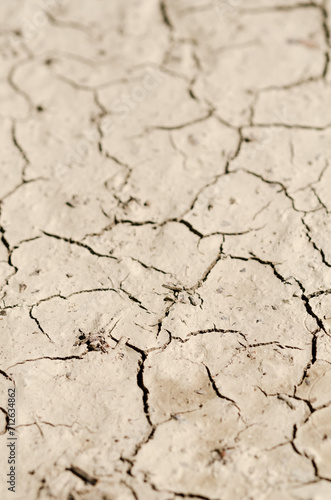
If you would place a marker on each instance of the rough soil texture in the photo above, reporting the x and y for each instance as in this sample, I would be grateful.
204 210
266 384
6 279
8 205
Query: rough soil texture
165 258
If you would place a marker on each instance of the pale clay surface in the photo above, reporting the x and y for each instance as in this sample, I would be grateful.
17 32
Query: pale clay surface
165 259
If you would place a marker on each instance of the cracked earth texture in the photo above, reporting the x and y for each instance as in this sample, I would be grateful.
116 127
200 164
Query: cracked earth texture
165 259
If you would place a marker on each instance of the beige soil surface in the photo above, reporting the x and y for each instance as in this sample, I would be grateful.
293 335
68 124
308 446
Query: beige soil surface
165 250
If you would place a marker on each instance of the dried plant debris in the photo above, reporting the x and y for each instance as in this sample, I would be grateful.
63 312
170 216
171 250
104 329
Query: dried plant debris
93 341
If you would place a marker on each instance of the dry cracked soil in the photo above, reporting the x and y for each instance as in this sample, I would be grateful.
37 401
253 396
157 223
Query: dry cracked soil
165 257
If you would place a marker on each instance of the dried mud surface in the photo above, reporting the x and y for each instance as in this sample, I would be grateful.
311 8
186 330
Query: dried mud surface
165 259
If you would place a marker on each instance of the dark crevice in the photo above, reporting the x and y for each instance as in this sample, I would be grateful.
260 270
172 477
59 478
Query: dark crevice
4 374
191 495
325 25
236 153
308 307
67 24
294 435
165 15
135 223
40 328
182 125
312 360
314 348
141 385
4 240
268 263
140 378
17 145
8 427
306 401
146 266
134 299
281 8
275 183
209 330
320 292
10 250
80 244
319 250
52 358
15 87
191 228
217 392
273 267
275 343
135 496
292 126
160 322
326 66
